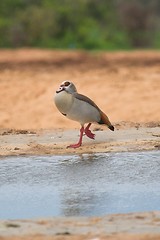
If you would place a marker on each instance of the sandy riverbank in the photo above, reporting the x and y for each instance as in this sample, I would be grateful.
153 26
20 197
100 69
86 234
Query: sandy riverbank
126 137
134 226
125 85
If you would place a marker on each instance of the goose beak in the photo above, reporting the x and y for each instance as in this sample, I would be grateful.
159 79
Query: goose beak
60 89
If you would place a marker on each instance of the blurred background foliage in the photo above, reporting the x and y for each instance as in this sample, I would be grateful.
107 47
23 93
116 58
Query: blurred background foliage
77 24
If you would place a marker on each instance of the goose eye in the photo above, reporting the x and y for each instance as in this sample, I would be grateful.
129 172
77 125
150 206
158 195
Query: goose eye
66 84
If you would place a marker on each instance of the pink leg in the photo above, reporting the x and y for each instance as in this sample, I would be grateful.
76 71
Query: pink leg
77 145
88 132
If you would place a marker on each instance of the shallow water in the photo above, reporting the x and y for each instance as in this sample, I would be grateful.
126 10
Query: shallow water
79 185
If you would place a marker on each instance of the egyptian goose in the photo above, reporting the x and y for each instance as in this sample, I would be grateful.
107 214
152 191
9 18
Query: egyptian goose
79 108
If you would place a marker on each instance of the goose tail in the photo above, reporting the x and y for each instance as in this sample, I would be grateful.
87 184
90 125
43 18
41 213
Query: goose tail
105 120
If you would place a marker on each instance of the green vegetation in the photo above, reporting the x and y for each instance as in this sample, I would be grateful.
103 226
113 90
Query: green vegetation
76 24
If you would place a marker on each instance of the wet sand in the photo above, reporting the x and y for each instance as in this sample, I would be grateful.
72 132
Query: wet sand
126 137
131 226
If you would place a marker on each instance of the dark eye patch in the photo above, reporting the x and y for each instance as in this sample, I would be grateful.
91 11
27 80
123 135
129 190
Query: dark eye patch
66 84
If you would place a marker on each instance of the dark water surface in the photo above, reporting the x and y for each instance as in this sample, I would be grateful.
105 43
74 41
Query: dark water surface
79 185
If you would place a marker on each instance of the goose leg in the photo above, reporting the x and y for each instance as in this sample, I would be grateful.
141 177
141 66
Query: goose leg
88 132
77 145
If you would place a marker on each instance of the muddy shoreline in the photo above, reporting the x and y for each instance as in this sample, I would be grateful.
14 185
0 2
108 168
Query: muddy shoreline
127 137
114 227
